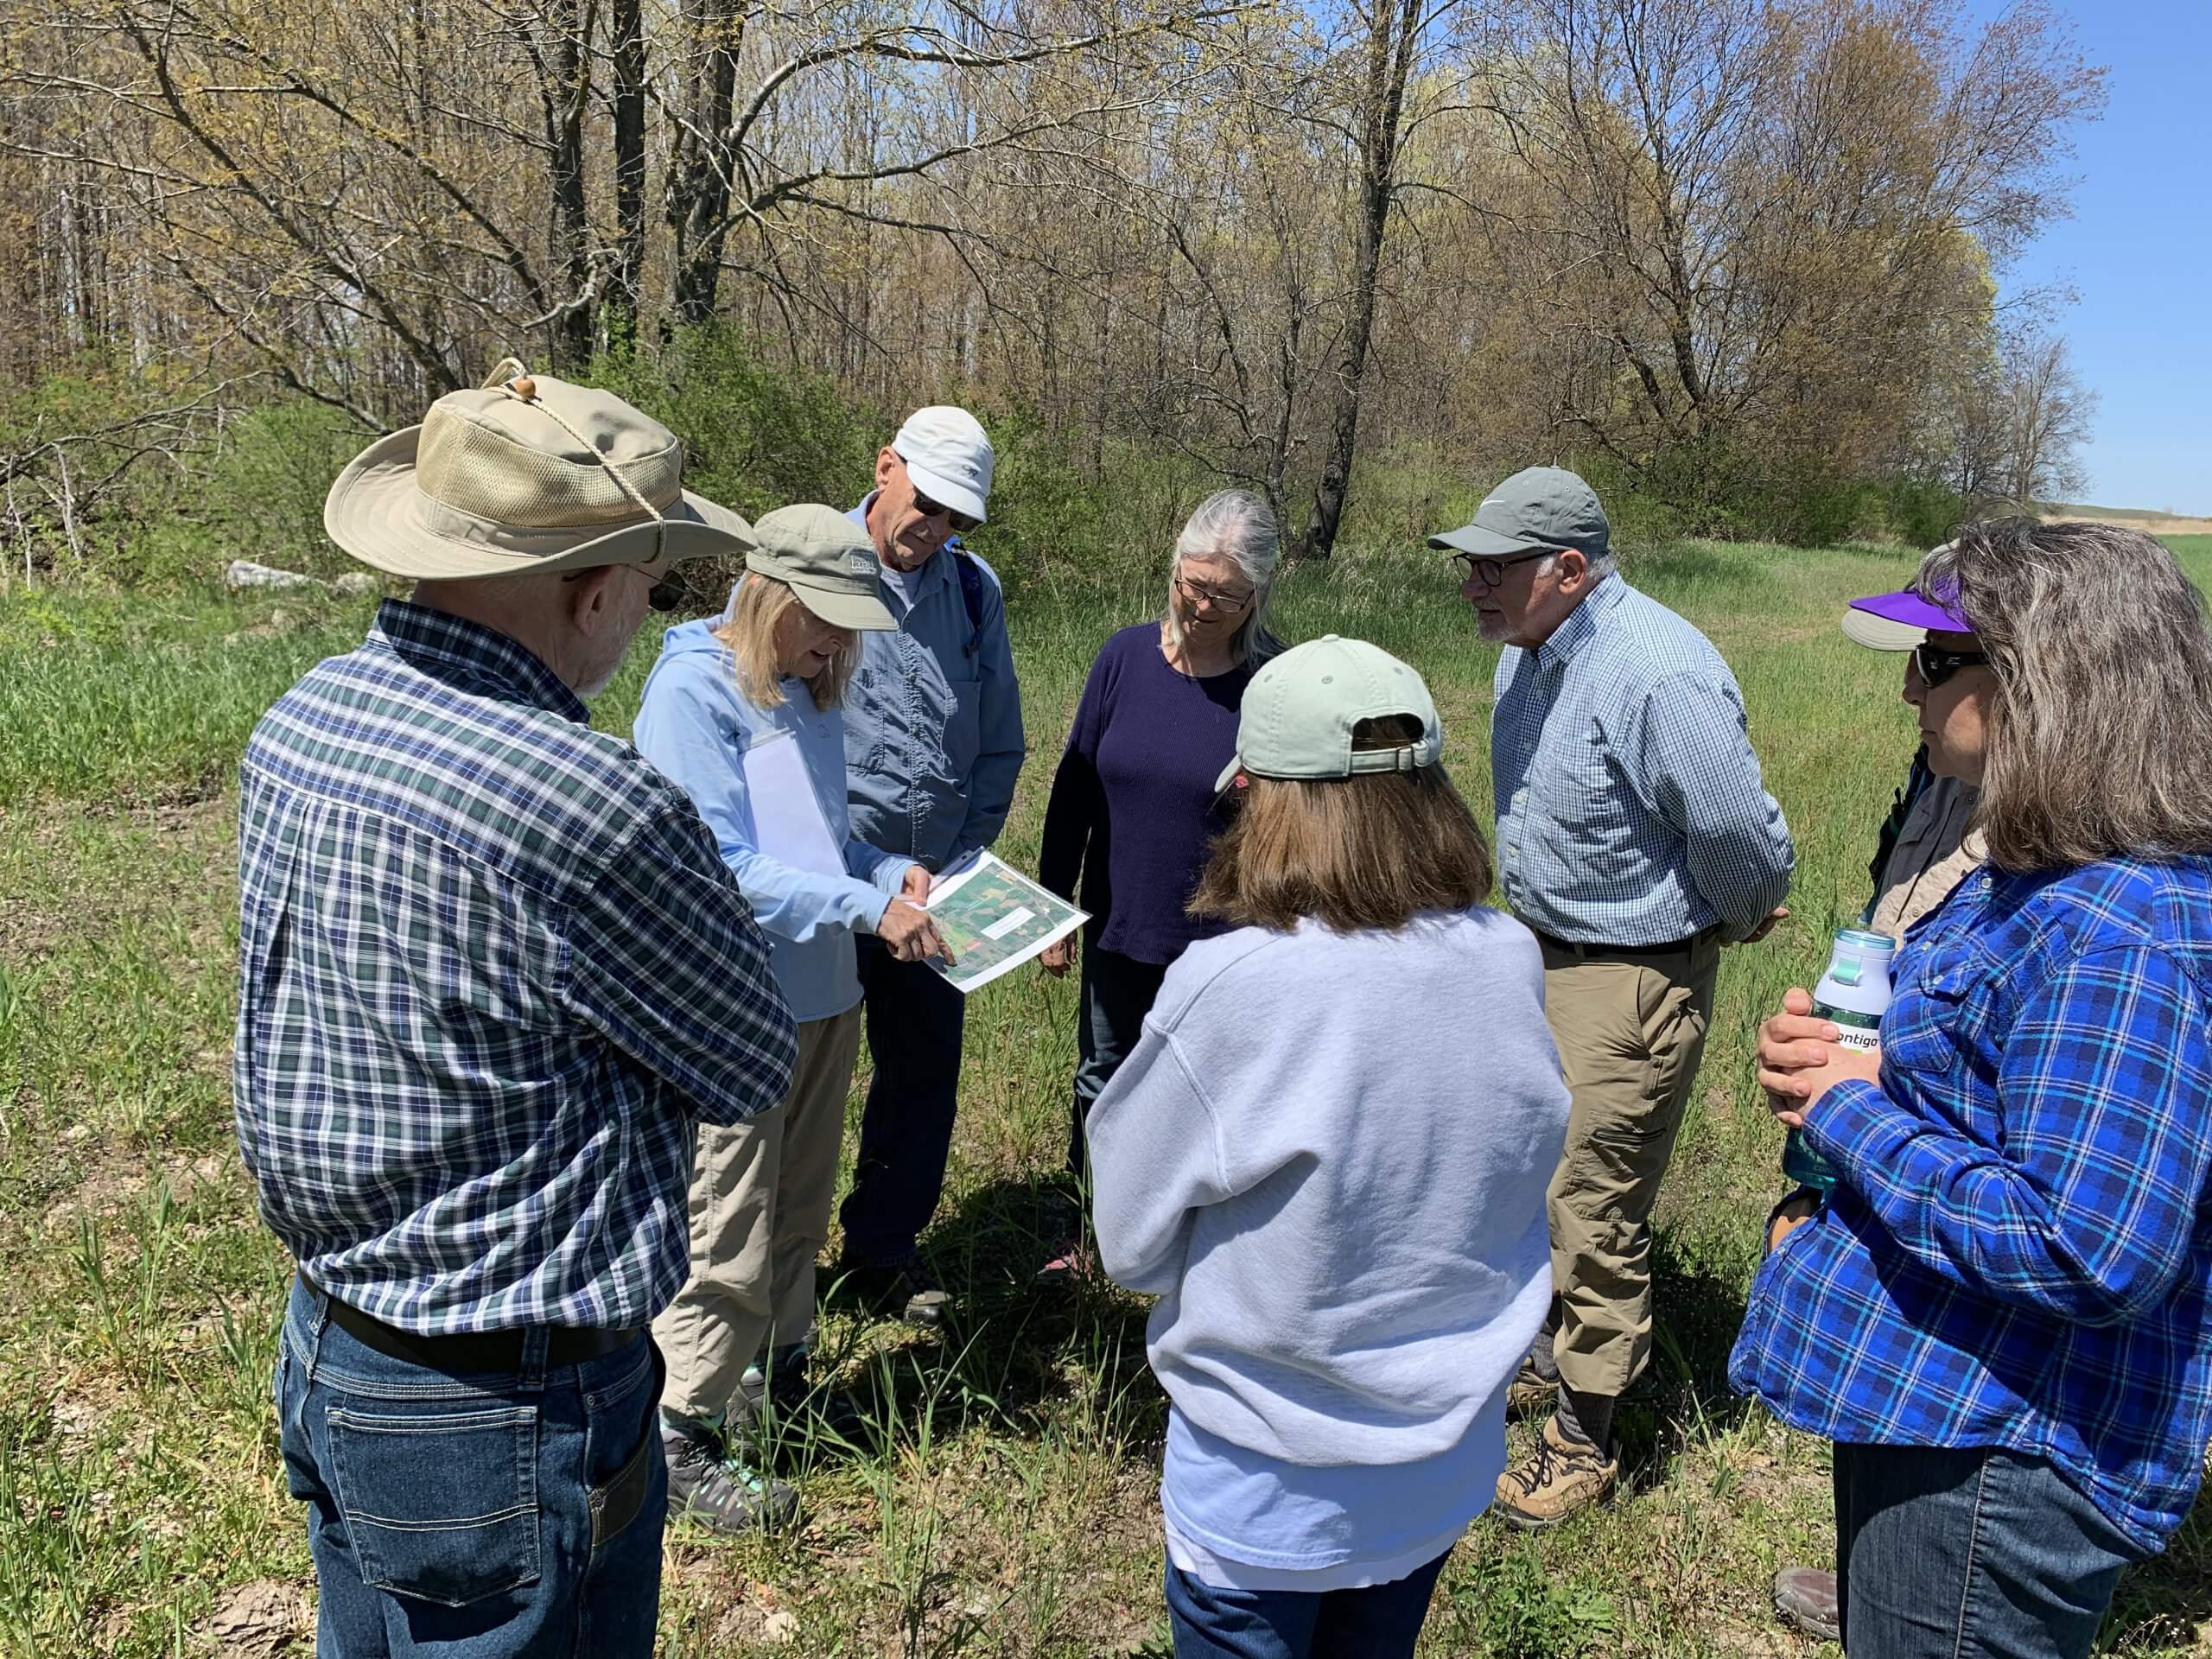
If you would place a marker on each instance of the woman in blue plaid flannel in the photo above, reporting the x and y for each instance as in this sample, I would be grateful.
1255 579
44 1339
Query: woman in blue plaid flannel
2003 1317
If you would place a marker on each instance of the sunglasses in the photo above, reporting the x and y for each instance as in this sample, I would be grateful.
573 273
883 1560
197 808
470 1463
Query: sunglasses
1490 572
665 595
961 524
1227 604
1934 665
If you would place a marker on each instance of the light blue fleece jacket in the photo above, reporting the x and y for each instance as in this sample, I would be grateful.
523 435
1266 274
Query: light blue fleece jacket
695 726
1327 1156
933 717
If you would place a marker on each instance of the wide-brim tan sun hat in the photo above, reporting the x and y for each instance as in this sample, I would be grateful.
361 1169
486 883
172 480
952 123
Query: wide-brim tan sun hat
525 476
827 561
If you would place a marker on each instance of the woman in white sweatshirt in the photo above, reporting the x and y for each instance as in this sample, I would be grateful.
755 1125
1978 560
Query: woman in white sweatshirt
1327 1156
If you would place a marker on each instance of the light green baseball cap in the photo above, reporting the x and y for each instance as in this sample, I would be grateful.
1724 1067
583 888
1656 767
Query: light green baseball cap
1300 710
827 560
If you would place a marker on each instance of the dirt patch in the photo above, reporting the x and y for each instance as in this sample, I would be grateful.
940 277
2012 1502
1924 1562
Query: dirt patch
2157 524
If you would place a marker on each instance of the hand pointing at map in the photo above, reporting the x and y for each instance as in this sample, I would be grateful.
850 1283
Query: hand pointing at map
910 934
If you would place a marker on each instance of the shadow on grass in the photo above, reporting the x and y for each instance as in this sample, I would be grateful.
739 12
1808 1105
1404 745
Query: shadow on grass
1017 1355
1684 1396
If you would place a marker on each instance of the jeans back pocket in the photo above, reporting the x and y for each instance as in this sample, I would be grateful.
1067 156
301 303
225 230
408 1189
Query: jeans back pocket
440 1504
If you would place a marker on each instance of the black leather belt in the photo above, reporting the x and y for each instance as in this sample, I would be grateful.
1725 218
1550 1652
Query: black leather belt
1577 948
475 1350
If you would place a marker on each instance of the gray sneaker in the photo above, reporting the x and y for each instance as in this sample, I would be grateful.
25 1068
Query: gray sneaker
717 1490
1804 1597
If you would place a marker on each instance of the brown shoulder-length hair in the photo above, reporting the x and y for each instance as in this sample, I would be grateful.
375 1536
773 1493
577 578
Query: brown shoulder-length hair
2100 735
748 629
1370 851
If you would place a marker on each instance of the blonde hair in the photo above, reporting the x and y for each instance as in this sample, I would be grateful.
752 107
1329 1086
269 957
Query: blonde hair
748 630
1373 850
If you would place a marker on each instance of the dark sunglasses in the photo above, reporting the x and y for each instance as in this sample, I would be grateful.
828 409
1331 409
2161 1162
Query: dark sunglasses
666 594
1490 572
1934 665
961 524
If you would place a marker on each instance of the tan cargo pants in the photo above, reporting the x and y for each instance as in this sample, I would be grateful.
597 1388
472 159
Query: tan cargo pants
761 1192
1630 1031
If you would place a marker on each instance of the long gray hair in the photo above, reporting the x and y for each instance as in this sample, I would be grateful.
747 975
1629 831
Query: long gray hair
2102 727
1237 526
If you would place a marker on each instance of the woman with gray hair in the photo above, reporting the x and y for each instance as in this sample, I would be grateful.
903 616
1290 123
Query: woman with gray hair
1133 803
2003 1315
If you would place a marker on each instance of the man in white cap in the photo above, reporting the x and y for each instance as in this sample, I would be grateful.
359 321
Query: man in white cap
933 745
492 975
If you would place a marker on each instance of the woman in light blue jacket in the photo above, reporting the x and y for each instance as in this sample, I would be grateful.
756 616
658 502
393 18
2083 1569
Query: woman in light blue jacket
727 694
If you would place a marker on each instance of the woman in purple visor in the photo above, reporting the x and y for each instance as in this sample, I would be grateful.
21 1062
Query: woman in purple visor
2002 1315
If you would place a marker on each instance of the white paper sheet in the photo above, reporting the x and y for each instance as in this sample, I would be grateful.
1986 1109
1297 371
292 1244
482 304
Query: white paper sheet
787 821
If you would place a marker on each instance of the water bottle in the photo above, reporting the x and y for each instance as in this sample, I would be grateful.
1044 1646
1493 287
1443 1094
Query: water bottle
1855 992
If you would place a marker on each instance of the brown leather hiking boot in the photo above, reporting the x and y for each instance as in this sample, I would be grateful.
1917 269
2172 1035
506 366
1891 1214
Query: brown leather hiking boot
1529 1391
1564 1475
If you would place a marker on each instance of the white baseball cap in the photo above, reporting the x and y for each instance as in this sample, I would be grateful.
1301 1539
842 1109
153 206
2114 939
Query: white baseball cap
947 456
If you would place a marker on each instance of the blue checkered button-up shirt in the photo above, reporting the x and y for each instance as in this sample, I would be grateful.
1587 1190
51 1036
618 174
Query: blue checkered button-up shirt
491 968
2019 1251
1630 810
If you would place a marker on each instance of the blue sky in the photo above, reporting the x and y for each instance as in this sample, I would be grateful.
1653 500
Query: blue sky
2139 251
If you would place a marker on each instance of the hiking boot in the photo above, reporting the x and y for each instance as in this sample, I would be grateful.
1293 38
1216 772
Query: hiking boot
717 1490
1804 1600
1529 1392
904 1290
1563 1476
783 1401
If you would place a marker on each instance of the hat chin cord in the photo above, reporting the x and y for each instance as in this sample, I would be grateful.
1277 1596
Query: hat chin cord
522 389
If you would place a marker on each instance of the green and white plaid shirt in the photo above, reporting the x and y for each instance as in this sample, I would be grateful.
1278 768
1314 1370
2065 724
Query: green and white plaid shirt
491 970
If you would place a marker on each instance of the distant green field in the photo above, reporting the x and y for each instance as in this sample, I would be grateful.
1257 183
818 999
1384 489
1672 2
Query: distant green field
1011 1509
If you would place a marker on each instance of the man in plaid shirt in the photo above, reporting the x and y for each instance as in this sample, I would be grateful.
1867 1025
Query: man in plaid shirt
492 973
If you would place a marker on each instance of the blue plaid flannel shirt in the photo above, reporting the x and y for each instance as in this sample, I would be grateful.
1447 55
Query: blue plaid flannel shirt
2018 1249
1630 808
491 968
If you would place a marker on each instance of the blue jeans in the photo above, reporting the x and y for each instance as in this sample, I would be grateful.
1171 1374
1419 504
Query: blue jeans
1381 1622
473 1516
1946 1553
915 1021
1116 993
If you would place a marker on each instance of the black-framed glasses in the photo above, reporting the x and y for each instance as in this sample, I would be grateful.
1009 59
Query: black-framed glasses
1934 665
1490 572
1227 604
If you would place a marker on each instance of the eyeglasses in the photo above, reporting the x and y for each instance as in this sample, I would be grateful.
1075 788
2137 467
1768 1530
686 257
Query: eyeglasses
1934 665
961 522
1227 604
665 595
1490 572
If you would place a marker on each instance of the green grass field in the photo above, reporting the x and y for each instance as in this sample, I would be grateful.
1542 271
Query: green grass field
1011 1507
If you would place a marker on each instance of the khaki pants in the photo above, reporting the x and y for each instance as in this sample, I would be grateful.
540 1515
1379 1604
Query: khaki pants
1630 1031
761 1192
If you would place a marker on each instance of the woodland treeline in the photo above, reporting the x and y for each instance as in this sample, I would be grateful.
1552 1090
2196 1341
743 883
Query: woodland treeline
1745 261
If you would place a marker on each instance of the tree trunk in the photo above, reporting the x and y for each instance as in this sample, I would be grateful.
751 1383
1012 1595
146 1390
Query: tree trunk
573 330
1389 61
701 166
622 300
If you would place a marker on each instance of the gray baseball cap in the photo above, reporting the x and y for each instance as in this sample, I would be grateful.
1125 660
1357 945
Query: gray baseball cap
827 560
1537 507
1300 710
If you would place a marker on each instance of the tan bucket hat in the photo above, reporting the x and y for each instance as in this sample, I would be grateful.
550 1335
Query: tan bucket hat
828 561
526 475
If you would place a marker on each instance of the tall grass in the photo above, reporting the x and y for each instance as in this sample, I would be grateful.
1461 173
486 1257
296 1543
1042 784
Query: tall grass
1005 1505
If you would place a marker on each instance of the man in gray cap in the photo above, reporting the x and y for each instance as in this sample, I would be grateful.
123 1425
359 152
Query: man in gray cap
1635 838
493 974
